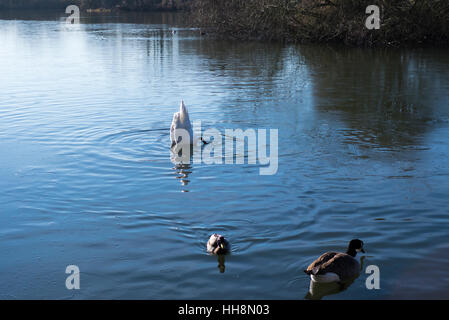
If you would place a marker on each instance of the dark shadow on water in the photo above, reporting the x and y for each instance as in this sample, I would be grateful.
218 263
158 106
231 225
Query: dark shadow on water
251 70
387 98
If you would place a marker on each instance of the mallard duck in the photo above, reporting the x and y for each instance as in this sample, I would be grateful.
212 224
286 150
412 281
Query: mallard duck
217 244
336 266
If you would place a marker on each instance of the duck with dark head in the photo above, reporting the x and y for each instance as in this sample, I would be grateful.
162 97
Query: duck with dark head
336 266
218 245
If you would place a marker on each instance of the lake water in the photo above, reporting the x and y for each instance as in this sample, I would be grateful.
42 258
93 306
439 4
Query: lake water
86 177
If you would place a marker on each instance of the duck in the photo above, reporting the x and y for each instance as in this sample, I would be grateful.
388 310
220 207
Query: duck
336 266
218 245
180 120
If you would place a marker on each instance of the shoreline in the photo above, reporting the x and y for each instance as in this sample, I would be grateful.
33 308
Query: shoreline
352 24
299 24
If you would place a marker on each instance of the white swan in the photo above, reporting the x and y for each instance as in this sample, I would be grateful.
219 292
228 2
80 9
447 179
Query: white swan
180 120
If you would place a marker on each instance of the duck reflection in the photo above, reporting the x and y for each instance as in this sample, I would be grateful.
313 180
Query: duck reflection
221 262
319 290
219 246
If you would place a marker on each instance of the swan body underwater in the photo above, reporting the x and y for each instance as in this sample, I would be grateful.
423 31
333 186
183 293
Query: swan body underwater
336 266
218 245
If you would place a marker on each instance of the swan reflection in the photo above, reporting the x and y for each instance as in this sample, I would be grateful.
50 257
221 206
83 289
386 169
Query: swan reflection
182 173
182 164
